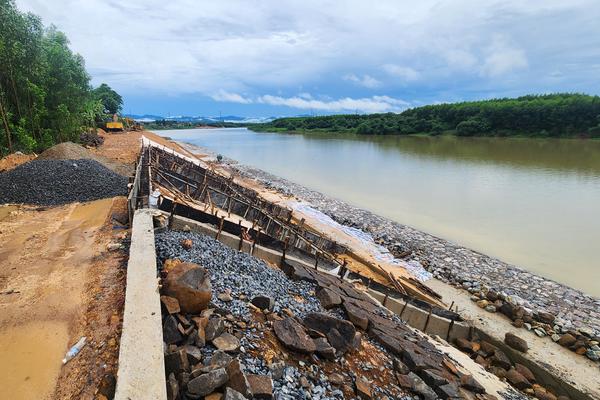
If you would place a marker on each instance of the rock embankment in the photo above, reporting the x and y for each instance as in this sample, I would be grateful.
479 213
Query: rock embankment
543 306
55 182
265 334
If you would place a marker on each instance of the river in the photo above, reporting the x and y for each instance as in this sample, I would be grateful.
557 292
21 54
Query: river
534 203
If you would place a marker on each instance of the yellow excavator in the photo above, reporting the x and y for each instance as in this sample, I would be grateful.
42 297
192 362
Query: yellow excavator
114 125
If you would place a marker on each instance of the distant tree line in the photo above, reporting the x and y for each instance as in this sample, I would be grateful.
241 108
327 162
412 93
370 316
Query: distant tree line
170 124
45 92
552 115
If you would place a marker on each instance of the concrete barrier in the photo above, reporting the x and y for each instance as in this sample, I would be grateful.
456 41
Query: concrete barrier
141 373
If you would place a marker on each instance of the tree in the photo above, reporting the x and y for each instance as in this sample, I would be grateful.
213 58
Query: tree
111 100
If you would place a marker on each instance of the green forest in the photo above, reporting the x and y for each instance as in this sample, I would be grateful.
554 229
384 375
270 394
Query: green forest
45 91
552 115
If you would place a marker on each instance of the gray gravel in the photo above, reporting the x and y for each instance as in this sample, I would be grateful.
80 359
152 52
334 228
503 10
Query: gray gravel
54 182
239 272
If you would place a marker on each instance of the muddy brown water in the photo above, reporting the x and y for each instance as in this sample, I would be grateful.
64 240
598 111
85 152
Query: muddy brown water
534 203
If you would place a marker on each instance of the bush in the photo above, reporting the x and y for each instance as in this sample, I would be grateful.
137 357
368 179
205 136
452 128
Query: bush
473 126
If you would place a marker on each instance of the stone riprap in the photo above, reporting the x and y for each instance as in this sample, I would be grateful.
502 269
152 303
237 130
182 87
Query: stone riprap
227 343
575 312
55 182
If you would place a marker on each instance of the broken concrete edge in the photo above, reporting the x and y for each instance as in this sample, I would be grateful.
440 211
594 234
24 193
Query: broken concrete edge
141 373
542 375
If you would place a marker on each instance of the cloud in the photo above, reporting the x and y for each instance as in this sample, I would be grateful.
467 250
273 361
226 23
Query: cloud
405 73
427 50
503 58
365 81
374 104
224 96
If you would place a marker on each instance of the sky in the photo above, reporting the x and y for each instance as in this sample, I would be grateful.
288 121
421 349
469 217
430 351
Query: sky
280 58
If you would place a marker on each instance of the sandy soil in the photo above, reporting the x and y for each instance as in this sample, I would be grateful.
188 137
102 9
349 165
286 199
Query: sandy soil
13 160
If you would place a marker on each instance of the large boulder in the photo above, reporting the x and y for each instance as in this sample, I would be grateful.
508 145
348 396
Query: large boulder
293 336
190 285
339 332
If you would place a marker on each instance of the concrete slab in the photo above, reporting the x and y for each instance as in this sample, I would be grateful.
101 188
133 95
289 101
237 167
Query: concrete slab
141 372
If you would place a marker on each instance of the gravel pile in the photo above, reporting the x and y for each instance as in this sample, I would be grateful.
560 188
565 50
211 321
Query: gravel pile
74 151
240 273
54 182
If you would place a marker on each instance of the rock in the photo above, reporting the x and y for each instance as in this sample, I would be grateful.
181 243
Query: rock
545 317
277 369
171 334
340 333
293 336
592 355
237 379
336 379
499 359
219 359
207 383
304 382
363 388
113 246
483 303
400 367
214 328
172 388
186 244
324 349
540 332
464 345
263 302
449 391
526 372
227 342
469 383
328 298
357 342
108 385
225 297
487 348
261 386
417 385
176 362
231 394
194 354
567 340
357 316
214 396
542 394
433 378
515 342
555 337
492 295
490 308
190 285
171 304
517 380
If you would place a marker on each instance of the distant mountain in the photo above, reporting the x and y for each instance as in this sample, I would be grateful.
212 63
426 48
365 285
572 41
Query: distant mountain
200 119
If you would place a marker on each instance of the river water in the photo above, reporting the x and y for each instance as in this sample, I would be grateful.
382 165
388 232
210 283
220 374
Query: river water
534 203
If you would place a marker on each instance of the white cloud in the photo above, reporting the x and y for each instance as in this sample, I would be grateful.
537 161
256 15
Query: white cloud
224 96
405 73
503 58
374 104
447 49
365 81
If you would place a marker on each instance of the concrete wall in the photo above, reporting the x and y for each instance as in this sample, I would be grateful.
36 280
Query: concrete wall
141 372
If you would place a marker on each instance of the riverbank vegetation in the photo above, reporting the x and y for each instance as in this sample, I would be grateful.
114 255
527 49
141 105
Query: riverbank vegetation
45 91
553 115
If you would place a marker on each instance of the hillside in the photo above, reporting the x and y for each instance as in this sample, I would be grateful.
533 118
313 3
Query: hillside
553 115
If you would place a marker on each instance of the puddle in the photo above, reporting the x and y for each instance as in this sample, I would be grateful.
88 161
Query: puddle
30 359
